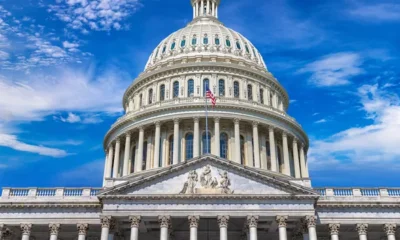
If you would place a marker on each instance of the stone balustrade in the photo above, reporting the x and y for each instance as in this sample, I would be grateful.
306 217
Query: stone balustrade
358 192
48 192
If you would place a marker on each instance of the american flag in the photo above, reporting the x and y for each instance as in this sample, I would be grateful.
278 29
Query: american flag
211 96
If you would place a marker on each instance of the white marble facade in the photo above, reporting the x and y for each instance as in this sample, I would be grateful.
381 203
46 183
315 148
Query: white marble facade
162 182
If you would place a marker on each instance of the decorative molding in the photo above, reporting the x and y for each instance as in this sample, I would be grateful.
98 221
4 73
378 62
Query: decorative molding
223 221
281 220
165 221
54 228
252 221
107 222
82 228
362 228
389 229
194 221
135 221
26 228
50 204
334 228
311 221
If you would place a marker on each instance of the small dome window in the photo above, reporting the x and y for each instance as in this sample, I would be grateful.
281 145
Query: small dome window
194 40
217 41
183 42
247 49
238 45
173 45
205 40
164 49
228 42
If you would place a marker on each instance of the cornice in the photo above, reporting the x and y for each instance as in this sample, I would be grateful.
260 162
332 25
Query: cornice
50 205
369 204
208 197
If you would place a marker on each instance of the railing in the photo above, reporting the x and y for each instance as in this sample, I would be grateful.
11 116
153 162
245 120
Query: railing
358 192
49 192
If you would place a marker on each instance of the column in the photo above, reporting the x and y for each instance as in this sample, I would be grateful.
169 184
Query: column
197 8
213 9
26 231
109 161
303 164
116 158
237 141
285 154
217 137
176 142
208 7
106 223
311 223
281 220
296 159
164 224
272 149
139 158
390 230
54 228
202 8
82 231
157 139
223 227
193 224
362 230
256 146
252 222
135 221
194 11
196 137
127 154
334 230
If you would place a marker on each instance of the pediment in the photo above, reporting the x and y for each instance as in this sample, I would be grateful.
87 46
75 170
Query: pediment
208 176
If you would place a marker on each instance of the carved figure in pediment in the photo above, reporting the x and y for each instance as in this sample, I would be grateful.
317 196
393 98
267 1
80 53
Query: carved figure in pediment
190 184
225 183
206 179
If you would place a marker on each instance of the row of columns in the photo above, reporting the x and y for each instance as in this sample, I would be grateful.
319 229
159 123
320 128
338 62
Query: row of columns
300 164
209 5
54 229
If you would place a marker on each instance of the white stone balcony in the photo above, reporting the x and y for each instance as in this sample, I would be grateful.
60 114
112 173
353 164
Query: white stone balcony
22 194
359 194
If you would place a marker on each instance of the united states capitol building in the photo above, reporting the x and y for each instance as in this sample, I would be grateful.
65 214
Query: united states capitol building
166 178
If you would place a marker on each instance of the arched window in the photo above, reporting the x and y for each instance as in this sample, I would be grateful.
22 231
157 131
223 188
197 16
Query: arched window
205 40
261 96
189 146
164 49
242 152
250 92
236 89
151 96
173 45
217 42
268 148
221 87
228 42
194 40
238 45
190 90
140 100
176 89
171 150
224 145
247 49
206 84
162 92
206 143
183 42
144 156
133 158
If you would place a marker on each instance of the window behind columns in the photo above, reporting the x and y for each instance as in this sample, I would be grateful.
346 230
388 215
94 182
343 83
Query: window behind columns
206 139
280 160
176 89
133 157
189 146
144 156
236 89
224 145
261 96
291 163
141 100
221 87
250 92
151 96
171 149
242 151
268 148
162 92
190 89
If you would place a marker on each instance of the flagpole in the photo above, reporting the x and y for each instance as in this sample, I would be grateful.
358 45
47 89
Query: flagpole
207 147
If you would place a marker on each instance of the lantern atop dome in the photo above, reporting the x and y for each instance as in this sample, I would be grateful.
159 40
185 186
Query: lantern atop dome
205 8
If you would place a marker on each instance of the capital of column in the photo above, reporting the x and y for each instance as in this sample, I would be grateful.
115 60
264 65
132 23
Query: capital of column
194 221
389 228
271 128
196 119
236 120
141 128
107 222
164 221
26 228
135 221
255 124
176 120
54 228
158 124
128 134
281 220
118 140
311 221
252 221
223 221
82 228
295 140
284 134
334 228
216 119
362 228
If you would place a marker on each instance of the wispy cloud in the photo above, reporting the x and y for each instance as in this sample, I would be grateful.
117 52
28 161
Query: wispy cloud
334 69
323 120
94 15
376 12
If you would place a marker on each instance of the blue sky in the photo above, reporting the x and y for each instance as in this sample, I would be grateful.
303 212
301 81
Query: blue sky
64 65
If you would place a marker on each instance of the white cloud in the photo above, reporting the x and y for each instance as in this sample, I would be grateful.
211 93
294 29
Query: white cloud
334 69
377 12
96 15
321 121
72 118
373 143
67 44
11 141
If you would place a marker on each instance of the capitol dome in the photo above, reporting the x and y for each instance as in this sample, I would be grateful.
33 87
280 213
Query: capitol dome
168 120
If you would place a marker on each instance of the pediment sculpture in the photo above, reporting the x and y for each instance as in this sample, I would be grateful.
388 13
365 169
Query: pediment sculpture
208 184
